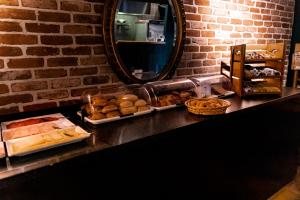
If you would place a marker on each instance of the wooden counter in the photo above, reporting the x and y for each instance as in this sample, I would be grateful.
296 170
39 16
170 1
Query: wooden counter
166 147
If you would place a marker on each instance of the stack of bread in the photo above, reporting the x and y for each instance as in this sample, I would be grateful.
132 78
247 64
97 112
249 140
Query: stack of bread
114 106
173 98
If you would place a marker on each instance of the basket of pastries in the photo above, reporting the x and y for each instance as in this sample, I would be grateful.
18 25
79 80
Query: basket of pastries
207 106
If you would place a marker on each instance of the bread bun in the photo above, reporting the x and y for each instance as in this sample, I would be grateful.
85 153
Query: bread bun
129 97
143 108
126 104
128 110
97 101
96 116
185 94
140 102
112 114
109 108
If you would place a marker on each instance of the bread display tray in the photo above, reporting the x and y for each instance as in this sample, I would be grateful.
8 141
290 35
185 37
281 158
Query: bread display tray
36 143
2 150
101 121
167 107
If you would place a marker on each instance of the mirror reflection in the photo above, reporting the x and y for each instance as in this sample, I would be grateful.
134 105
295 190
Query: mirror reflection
145 35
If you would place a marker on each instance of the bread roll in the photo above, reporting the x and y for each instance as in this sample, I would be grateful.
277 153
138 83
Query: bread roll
97 101
109 108
126 104
143 108
129 97
140 102
128 110
96 116
185 94
112 114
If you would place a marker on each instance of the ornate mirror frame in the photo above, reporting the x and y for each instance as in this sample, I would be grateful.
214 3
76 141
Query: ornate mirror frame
113 55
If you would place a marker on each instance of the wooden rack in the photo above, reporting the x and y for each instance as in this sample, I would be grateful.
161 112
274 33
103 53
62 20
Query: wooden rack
248 67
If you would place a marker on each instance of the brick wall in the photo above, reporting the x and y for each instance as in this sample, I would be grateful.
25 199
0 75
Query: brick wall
52 50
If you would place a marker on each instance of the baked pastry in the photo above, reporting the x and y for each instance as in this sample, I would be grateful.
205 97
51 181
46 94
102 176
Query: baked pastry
128 110
140 102
109 108
96 116
143 108
129 97
185 94
112 114
97 101
126 104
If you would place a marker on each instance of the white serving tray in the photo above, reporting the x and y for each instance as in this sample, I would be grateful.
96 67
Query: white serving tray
2 150
101 121
9 143
4 124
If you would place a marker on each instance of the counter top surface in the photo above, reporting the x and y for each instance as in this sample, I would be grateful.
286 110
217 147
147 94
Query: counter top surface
123 131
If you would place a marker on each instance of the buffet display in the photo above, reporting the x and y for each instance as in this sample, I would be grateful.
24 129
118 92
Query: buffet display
35 134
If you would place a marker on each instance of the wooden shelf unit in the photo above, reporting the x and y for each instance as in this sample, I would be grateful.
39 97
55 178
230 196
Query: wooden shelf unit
239 61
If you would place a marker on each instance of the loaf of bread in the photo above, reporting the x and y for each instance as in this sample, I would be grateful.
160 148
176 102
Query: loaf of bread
97 101
129 97
96 116
109 108
128 110
126 104
140 102
143 108
113 114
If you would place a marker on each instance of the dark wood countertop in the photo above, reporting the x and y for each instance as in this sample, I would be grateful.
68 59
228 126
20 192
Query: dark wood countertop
123 131
109 135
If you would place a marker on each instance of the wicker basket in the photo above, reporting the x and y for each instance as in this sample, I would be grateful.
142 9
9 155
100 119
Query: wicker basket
199 110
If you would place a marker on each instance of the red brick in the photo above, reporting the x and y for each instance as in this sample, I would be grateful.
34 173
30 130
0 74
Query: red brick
206 48
209 62
22 63
247 35
77 51
204 10
87 19
235 35
220 48
248 22
184 72
271 5
236 21
202 2
42 28
56 40
70 102
276 36
18 39
268 24
78 29
194 63
63 61
213 26
42 106
4 89
54 17
44 4
193 17
10 27
266 18
1 64
261 4
10 110
75 6
223 20
50 73
93 60
83 71
65 83
99 50
22 98
255 10
9 2
262 30
207 34
279 7
10 51
89 40
29 86
214 55
42 51
79 92
190 2
11 13
190 9
199 55
198 25
214 41
193 33
108 89
227 27
15 75
191 48
275 18
53 95
207 18
98 8
258 23
94 80
256 17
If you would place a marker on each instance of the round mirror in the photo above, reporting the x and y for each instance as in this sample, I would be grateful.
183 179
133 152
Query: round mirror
144 39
